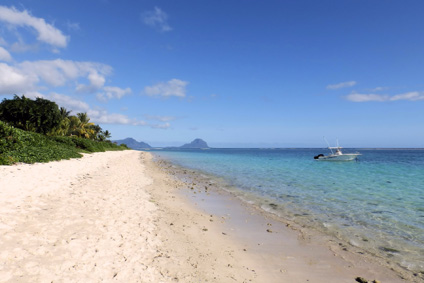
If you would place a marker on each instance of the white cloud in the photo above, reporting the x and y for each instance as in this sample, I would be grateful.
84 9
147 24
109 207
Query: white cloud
14 81
409 96
173 87
357 97
342 85
46 32
5 55
60 72
70 103
157 19
96 82
55 73
103 117
113 92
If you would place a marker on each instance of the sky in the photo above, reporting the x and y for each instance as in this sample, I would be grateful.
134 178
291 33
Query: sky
235 73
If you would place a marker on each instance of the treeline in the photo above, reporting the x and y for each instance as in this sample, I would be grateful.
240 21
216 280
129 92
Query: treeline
45 117
39 131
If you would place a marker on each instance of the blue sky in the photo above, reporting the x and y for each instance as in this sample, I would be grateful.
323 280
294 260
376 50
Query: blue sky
234 73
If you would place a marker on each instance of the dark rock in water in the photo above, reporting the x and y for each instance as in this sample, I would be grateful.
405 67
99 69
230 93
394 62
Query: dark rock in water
389 250
273 205
197 143
132 143
363 280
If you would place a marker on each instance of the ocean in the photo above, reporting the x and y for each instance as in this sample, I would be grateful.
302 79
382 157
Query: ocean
375 203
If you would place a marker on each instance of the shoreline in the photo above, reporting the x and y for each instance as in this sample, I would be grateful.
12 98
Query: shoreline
119 216
250 218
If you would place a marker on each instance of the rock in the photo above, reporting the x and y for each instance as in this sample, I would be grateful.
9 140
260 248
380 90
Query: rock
361 280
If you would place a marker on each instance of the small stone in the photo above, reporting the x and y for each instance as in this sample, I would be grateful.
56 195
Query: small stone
361 280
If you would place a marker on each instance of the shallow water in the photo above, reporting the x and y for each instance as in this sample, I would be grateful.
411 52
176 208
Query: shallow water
376 203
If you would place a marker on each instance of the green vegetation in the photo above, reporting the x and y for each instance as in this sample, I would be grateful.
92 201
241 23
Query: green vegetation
40 115
38 131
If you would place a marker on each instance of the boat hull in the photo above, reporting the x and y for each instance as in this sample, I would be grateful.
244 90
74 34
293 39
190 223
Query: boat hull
343 157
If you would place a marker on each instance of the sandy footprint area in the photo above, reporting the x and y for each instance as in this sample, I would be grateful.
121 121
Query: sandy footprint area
80 220
118 217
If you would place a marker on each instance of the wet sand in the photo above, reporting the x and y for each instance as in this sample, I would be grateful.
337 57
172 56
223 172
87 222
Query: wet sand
120 217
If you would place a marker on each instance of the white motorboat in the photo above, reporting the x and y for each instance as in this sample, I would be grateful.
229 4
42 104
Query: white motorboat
337 155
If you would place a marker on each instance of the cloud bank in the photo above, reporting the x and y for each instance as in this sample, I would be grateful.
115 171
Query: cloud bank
174 87
111 92
33 75
409 96
46 32
5 55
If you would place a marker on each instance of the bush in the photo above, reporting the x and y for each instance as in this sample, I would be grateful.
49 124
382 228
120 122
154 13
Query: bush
8 138
17 145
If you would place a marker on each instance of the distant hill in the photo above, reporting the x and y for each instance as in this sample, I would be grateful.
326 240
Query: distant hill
197 143
132 143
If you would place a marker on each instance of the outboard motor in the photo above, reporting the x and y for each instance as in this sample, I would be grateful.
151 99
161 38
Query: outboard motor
318 156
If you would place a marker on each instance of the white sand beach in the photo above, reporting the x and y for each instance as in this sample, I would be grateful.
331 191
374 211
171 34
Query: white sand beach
119 217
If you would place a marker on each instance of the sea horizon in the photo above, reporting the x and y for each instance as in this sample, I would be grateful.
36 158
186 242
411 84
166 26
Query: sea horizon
361 148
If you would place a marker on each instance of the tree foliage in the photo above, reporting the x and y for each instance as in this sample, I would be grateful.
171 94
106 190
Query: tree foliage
40 115
39 131
45 117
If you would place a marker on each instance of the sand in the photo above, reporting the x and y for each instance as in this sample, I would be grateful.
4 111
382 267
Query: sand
120 217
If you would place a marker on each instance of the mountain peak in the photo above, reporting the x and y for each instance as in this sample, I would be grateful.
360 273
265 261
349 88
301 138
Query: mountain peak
197 143
132 143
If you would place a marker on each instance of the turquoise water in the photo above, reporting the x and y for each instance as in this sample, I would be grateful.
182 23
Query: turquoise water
376 203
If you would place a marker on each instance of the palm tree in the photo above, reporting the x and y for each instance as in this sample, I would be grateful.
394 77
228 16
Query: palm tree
85 127
74 123
64 113
107 134
63 128
104 135
96 134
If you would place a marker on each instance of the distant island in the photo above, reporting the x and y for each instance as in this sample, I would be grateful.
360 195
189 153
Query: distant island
197 143
132 143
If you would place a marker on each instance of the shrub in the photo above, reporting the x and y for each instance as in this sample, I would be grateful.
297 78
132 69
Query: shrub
17 145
